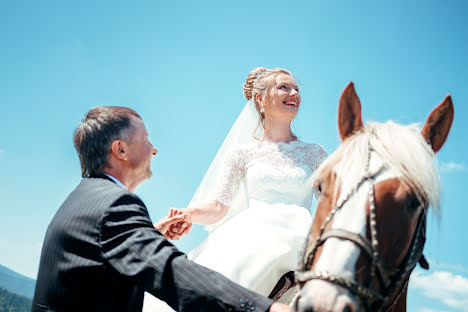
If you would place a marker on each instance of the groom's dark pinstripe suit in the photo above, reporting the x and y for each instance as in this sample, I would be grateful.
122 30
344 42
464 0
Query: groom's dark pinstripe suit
101 253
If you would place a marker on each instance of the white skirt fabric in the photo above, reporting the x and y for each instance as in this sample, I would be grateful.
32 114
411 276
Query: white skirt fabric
254 248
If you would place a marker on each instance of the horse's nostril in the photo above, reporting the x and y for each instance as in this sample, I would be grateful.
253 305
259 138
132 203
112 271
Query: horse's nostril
347 309
303 304
296 303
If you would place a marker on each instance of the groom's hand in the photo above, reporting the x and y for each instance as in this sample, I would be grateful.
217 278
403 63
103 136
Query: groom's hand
165 224
279 307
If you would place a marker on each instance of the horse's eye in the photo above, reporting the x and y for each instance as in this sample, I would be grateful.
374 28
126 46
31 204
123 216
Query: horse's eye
412 203
318 188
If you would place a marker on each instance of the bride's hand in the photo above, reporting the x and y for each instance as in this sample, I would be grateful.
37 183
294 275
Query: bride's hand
165 224
183 227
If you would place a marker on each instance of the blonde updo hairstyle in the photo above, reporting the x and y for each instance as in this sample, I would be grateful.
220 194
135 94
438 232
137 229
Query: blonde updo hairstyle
259 81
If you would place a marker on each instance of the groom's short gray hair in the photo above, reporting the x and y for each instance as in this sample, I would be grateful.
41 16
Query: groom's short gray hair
93 137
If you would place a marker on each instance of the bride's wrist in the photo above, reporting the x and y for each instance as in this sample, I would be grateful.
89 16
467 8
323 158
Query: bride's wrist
188 212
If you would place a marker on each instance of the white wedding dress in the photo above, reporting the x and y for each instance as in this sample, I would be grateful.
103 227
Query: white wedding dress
261 242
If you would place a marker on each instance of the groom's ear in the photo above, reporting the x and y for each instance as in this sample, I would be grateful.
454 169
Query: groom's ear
118 149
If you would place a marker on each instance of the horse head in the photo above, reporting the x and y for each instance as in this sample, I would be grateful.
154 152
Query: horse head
369 228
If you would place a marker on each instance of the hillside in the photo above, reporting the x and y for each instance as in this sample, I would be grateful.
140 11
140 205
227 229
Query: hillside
16 283
10 302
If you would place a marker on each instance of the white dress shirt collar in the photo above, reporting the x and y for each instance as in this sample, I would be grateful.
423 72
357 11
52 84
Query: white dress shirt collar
116 181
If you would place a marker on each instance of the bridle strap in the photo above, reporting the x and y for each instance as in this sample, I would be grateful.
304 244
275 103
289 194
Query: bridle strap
362 292
414 257
365 246
372 298
310 255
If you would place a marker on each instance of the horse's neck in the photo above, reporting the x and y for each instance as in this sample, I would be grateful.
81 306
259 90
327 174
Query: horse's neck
400 305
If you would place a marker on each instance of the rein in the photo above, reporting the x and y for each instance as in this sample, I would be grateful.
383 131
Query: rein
390 278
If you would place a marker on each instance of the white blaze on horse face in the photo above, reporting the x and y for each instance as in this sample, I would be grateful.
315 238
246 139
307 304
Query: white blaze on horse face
338 256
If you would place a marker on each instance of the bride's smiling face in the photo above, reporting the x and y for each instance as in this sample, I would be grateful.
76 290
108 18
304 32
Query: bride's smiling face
283 100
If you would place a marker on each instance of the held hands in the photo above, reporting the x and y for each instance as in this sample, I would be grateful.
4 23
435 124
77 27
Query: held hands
183 226
175 225
166 223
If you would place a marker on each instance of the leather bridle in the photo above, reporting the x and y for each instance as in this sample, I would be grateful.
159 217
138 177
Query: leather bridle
391 278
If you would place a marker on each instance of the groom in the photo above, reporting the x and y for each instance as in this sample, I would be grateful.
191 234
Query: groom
101 250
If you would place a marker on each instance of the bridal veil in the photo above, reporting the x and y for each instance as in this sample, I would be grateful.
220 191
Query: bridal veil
243 131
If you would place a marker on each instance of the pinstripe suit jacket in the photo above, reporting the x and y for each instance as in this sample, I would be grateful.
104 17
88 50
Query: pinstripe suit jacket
101 253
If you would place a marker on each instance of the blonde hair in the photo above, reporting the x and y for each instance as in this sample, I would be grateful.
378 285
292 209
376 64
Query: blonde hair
259 81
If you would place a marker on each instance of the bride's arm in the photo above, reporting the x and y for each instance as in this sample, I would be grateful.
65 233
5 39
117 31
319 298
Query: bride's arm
206 214
213 211
209 213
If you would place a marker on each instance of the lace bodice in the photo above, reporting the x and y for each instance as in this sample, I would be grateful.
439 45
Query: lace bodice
271 172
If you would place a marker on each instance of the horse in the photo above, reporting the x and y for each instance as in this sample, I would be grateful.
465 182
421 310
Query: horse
373 192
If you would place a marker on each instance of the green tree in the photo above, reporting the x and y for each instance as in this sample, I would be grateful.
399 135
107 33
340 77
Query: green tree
10 302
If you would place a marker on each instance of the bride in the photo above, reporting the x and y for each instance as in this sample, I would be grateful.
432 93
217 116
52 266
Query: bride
254 198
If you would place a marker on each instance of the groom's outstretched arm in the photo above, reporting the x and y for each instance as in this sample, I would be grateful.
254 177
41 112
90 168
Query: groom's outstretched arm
138 252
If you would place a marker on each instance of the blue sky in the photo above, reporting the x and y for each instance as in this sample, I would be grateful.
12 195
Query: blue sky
182 64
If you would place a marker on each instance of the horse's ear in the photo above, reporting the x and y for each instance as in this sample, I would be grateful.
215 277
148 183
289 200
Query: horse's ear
438 124
349 112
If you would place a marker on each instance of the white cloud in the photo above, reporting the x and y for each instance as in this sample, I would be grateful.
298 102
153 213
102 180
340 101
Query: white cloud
451 166
449 288
430 310
458 268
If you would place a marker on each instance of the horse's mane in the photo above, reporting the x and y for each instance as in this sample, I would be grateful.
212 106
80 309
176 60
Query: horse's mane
402 150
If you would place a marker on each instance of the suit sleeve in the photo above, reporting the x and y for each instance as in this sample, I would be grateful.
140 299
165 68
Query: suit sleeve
135 250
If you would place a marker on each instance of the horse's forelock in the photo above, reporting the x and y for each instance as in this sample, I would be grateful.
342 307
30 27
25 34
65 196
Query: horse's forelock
401 148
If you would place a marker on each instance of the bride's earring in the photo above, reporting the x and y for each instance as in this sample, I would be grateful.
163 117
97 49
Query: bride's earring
262 110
